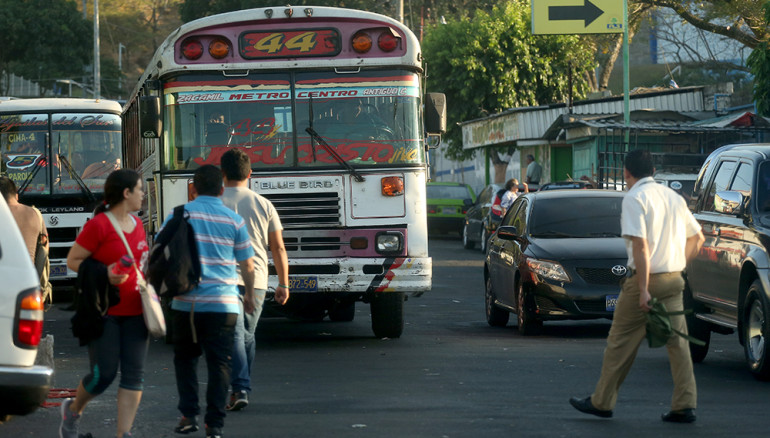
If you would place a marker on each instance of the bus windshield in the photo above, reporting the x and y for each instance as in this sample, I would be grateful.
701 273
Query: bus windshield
83 149
369 118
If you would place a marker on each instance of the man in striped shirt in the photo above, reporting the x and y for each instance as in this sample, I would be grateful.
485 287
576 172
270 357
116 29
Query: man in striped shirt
204 319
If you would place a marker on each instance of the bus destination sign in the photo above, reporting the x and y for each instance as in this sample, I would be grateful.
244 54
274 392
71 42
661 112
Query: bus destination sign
290 43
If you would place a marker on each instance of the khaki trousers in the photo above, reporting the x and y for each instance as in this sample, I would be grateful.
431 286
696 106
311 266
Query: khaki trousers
627 333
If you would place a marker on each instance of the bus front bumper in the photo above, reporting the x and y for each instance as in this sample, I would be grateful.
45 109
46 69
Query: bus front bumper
411 275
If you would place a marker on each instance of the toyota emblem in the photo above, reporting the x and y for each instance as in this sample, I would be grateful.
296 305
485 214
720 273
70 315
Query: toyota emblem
619 270
53 220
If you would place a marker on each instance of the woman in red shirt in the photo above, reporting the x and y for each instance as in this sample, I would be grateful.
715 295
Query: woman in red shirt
123 343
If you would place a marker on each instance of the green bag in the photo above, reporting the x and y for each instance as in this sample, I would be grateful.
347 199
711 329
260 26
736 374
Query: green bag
659 328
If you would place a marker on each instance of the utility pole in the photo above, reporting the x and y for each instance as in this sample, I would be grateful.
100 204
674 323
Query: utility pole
97 72
400 11
120 69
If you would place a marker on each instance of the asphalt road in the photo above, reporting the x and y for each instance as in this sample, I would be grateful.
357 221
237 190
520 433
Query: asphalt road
449 375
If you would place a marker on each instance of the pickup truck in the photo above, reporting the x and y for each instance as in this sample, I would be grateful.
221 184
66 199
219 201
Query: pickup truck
729 280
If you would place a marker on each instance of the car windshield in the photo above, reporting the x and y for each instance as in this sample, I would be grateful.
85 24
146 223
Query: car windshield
447 192
575 217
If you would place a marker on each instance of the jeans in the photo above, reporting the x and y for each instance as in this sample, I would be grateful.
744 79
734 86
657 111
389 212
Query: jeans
245 348
214 332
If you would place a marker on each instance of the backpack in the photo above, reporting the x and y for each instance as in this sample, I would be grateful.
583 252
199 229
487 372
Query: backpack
174 267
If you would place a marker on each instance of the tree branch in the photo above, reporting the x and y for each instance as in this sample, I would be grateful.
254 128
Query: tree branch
733 32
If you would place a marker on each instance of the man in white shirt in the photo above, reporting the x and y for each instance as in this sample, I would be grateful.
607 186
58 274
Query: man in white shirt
661 235
534 170
265 232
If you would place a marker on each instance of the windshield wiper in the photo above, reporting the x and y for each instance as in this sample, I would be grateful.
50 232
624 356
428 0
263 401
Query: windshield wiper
35 169
83 187
314 135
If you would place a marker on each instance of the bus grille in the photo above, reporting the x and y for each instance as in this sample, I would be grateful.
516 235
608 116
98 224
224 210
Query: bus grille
62 235
302 210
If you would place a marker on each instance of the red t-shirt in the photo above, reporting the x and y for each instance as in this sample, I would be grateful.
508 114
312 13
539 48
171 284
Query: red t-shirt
100 238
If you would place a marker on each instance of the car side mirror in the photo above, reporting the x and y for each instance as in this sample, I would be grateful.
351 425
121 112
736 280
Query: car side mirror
729 202
508 232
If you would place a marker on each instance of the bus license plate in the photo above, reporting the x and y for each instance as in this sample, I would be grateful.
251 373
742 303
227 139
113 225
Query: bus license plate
58 271
303 284
610 303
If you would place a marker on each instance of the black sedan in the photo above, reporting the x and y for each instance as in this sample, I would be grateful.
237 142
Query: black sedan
556 255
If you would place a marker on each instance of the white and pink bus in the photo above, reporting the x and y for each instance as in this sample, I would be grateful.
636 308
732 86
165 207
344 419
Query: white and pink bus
329 105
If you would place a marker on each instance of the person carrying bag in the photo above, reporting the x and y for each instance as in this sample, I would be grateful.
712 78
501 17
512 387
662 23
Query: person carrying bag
151 308
123 342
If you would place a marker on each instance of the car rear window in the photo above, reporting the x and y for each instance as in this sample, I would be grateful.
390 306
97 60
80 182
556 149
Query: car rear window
448 192
576 216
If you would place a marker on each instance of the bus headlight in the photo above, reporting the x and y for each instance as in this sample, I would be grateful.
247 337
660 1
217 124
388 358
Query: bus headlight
389 242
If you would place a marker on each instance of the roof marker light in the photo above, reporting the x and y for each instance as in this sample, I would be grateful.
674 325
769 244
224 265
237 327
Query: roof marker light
192 49
362 42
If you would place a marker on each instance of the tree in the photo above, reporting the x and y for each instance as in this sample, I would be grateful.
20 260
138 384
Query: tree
44 40
492 62
192 9
759 63
741 20
140 26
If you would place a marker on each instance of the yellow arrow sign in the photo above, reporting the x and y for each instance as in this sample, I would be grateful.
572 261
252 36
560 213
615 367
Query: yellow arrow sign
577 16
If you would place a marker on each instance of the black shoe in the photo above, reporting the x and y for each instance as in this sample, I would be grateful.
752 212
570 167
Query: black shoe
187 425
683 416
584 405
213 432
238 401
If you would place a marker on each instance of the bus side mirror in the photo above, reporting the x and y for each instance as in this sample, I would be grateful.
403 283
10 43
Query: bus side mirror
150 124
435 113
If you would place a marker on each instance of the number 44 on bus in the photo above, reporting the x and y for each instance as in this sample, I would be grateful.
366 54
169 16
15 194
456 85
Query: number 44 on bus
329 105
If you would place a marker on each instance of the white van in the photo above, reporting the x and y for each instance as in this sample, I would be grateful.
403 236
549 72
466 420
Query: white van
23 385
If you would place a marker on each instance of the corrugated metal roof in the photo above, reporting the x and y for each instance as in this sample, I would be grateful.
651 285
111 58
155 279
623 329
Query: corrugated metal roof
530 123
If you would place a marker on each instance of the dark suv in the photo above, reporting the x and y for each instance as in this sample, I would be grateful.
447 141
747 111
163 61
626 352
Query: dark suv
728 282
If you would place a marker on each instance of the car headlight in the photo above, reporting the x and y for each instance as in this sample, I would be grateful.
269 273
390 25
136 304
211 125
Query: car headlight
389 242
550 270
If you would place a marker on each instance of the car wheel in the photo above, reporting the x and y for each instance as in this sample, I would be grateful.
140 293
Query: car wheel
484 238
467 242
696 328
756 327
527 323
496 317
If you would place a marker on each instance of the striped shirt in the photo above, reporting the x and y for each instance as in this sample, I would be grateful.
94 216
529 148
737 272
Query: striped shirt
223 240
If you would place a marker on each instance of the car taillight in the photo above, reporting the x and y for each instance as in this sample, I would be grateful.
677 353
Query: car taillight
29 319
431 209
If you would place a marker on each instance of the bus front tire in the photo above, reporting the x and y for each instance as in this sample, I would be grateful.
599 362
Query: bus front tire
387 314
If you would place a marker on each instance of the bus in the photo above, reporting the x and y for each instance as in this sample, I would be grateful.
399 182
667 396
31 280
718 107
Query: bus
329 105
59 152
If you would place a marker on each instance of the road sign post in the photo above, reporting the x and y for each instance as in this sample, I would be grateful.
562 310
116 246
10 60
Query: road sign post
566 17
